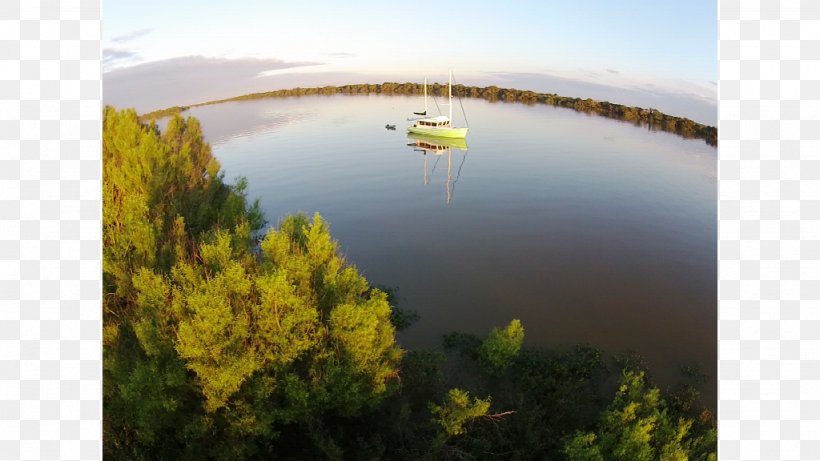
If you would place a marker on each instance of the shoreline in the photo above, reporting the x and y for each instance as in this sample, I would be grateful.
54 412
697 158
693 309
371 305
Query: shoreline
638 116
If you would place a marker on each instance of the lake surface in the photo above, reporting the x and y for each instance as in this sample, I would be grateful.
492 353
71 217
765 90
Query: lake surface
588 230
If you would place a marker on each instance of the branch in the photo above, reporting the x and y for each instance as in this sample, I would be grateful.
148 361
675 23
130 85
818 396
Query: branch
498 416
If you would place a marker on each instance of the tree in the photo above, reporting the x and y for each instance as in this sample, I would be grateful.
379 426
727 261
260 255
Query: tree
638 426
457 410
502 346
214 341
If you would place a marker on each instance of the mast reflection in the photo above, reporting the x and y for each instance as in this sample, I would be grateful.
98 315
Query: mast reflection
438 147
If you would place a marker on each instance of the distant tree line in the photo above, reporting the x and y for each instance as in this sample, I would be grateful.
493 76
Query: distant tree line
650 118
162 113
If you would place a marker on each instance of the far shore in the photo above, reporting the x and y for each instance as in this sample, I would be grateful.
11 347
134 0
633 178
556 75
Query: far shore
651 118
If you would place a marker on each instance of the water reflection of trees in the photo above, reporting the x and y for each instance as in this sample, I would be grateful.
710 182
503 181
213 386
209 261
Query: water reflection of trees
650 118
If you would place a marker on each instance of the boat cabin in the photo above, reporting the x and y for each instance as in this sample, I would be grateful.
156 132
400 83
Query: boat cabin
433 122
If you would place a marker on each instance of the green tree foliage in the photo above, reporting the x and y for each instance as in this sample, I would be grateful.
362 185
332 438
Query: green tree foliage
457 410
215 342
159 191
502 346
637 425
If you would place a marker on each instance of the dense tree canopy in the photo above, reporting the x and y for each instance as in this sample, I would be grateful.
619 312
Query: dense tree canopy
205 334
638 426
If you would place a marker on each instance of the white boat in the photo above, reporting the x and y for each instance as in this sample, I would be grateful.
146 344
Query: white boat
440 126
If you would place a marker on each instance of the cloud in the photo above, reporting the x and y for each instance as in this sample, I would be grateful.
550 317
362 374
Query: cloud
114 57
612 71
340 54
188 80
131 36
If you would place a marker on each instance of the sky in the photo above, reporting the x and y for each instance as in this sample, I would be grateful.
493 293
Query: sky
162 53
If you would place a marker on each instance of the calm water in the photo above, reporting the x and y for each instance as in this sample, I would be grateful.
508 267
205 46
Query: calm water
588 230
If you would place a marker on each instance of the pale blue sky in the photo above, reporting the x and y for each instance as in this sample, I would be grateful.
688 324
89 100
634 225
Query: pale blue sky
634 44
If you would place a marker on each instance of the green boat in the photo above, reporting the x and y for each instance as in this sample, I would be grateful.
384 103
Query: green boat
440 126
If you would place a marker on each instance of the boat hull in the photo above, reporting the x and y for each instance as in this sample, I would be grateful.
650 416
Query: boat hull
439 132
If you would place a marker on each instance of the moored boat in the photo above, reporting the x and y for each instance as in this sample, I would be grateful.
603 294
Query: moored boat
440 126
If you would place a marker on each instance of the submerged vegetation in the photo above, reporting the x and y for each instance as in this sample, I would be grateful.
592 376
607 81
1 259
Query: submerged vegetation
225 340
649 118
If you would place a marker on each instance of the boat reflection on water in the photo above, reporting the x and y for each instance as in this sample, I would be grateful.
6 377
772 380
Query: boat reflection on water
438 147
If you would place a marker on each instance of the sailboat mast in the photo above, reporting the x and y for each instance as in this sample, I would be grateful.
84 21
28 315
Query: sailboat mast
425 96
450 101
